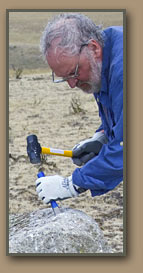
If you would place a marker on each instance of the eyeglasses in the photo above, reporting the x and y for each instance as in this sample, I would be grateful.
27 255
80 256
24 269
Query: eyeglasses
75 75
66 78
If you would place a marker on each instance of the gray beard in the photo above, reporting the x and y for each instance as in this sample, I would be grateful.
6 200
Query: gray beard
95 78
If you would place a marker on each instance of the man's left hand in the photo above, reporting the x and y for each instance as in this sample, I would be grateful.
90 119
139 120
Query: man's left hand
55 188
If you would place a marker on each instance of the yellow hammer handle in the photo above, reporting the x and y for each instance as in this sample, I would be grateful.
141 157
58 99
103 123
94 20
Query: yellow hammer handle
59 152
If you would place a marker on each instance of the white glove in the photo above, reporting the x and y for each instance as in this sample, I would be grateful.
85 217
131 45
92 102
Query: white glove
88 148
55 188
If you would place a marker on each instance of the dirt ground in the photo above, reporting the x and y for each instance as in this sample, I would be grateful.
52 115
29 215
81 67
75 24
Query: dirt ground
37 106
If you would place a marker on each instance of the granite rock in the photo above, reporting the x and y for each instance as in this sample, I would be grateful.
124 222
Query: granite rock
69 232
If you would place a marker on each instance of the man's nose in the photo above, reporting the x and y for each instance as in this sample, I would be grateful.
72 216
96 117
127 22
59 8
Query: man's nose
72 82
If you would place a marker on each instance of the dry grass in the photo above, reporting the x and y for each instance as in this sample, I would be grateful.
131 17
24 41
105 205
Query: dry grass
25 30
26 27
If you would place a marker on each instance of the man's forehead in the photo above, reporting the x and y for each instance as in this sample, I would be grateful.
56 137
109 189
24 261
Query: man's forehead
57 51
58 54
61 63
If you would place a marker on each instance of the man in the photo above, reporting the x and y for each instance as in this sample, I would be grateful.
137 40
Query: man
80 53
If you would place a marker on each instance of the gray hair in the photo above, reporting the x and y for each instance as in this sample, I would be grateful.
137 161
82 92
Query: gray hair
73 29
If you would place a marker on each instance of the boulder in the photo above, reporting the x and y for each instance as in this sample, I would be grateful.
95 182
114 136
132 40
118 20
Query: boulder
69 232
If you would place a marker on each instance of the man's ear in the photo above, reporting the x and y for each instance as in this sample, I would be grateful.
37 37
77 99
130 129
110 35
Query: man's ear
96 49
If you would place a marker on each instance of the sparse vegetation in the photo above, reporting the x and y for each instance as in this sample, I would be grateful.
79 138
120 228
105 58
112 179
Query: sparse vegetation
75 105
18 72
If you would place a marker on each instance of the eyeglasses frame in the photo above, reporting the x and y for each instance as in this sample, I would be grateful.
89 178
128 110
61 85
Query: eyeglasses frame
76 69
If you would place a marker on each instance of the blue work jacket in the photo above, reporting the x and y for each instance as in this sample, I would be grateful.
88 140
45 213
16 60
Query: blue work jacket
105 171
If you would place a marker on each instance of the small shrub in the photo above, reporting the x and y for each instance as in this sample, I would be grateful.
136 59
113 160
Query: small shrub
18 72
76 105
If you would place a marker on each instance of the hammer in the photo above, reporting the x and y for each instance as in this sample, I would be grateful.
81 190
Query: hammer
34 150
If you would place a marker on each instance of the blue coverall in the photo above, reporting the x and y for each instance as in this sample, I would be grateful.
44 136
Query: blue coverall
105 171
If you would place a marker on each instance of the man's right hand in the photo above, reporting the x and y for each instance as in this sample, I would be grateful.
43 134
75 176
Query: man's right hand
87 149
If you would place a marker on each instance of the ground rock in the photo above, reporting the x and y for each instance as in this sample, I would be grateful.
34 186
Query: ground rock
71 231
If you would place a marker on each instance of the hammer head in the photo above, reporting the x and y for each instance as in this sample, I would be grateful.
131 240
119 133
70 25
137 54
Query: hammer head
33 149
